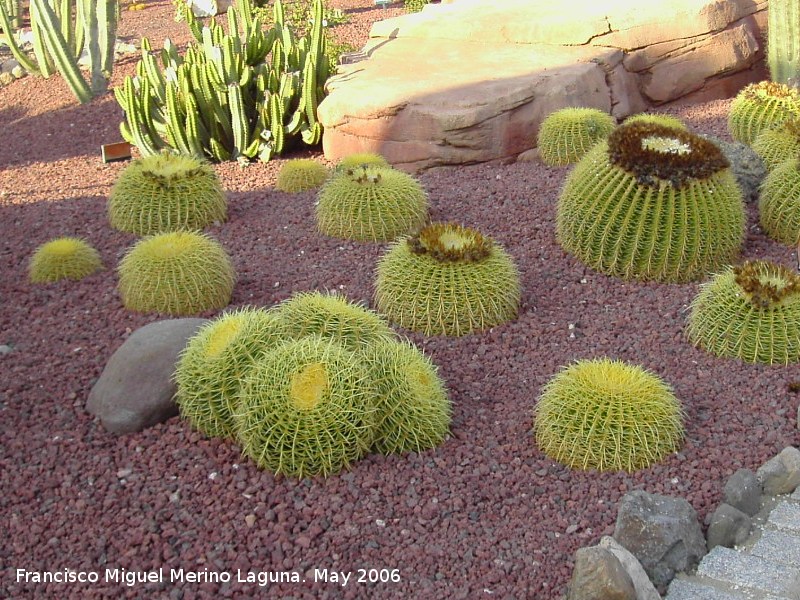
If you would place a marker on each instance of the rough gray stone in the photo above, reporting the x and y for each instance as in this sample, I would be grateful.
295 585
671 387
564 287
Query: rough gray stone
729 527
662 532
743 491
781 473
135 390
645 590
598 575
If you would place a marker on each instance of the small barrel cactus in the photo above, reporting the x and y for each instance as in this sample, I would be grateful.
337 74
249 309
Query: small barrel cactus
656 119
369 203
166 192
63 258
178 273
332 315
778 144
750 312
568 134
761 106
779 204
413 408
301 174
447 280
607 415
360 159
652 203
211 367
307 408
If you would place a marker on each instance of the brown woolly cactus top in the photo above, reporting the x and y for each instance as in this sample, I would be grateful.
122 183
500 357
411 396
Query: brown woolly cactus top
364 174
765 283
450 242
656 153
770 88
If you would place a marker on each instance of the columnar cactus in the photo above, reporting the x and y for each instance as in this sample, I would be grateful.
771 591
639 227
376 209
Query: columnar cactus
783 41
652 203
779 204
568 134
760 106
178 273
447 280
607 415
371 203
166 192
63 258
750 312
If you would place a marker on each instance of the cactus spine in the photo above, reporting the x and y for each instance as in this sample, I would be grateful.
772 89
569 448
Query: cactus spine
61 30
783 41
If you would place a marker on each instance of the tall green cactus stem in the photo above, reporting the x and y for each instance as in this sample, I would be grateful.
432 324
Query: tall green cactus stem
224 99
783 41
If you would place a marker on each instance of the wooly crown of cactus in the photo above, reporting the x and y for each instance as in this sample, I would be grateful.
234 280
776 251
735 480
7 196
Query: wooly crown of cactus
750 312
211 367
568 134
761 106
359 159
779 209
413 407
778 144
369 203
301 174
63 258
447 280
166 192
332 315
652 203
656 119
307 407
607 415
178 273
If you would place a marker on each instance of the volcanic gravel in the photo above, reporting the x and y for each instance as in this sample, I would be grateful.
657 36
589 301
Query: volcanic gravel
484 515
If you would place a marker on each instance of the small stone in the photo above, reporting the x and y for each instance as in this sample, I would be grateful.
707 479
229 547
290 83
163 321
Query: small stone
598 575
781 474
531 155
743 491
5 349
729 527
645 590
250 520
123 473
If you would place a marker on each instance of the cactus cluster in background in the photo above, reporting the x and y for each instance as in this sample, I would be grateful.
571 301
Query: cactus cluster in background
783 42
166 192
760 106
301 174
61 30
245 94
63 258
778 144
607 415
750 312
178 273
371 203
568 134
779 204
310 385
652 203
447 280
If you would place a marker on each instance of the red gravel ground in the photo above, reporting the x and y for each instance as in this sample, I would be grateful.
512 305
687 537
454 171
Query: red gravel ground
485 515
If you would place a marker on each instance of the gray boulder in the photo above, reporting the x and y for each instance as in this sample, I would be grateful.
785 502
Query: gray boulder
729 527
743 491
598 575
645 590
135 389
781 473
662 532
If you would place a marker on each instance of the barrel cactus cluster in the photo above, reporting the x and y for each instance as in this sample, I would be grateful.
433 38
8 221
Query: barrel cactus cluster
652 203
447 280
311 385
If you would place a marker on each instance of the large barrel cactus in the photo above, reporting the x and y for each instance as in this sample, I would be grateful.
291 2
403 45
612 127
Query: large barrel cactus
760 106
166 192
607 415
371 203
779 204
568 134
447 280
652 203
307 408
750 312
